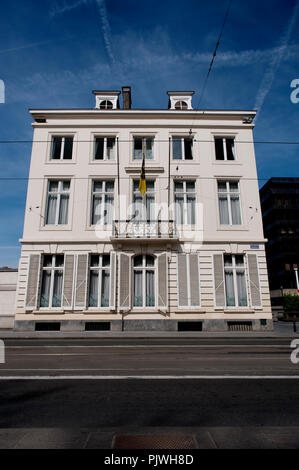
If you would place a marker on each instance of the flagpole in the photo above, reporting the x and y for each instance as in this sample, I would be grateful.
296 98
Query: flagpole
118 181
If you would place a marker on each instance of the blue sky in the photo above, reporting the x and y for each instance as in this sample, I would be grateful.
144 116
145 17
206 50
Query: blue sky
54 52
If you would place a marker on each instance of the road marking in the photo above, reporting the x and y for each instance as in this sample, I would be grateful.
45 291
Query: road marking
151 377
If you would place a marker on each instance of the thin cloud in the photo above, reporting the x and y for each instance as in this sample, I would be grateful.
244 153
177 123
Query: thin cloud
281 51
63 7
106 29
33 44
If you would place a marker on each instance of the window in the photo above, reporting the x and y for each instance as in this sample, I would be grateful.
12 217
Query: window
57 202
225 148
99 281
143 142
235 283
62 148
52 280
104 148
184 200
144 205
182 148
106 104
181 105
144 281
102 202
229 203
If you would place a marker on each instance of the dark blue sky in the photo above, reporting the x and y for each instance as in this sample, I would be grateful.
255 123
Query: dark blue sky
54 52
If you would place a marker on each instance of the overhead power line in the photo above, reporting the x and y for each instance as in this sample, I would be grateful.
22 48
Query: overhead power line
271 142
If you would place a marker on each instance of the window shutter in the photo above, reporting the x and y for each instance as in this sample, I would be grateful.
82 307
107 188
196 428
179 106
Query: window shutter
163 281
124 282
219 281
254 281
68 281
33 281
81 282
194 280
112 303
182 279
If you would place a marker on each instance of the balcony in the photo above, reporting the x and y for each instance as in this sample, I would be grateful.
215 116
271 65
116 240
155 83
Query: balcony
144 230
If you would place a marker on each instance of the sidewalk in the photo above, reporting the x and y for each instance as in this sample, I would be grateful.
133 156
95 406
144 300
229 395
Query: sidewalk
281 330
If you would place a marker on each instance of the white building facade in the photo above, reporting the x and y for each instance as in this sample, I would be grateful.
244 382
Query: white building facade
97 255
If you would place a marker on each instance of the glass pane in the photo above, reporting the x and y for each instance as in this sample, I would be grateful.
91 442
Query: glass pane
234 186
138 261
56 147
94 260
223 210
150 185
150 206
99 148
109 186
179 209
66 185
149 149
47 261
229 287
59 261
177 149
68 148
45 288
150 289
190 186
106 260
138 289
219 148
105 289
57 289
230 149
108 209
63 210
228 260
178 186
53 186
97 186
239 260
150 260
190 210
51 209
96 209
221 186
188 143
136 185
137 149
93 288
110 148
235 208
241 284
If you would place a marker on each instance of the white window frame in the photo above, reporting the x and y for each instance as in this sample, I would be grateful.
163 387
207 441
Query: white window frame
52 268
223 138
234 268
100 269
185 206
143 138
103 193
143 269
183 138
228 194
59 193
105 154
62 137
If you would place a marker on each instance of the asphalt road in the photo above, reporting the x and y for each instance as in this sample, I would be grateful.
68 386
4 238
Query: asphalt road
85 396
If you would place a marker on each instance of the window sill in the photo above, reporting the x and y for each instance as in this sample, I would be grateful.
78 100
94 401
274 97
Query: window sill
102 162
68 161
227 162
235 228
191 310
59 228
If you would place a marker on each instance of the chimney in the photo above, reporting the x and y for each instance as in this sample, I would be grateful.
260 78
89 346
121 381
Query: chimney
126 91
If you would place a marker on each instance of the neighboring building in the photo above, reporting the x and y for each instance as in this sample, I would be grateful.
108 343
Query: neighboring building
280 209
97 255
8 287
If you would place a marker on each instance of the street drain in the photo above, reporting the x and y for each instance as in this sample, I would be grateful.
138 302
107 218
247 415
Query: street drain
164 441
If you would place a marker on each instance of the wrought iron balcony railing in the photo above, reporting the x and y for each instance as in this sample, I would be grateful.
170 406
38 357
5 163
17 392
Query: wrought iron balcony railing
144 229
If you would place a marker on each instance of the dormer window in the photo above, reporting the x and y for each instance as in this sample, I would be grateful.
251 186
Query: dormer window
106 104
181 105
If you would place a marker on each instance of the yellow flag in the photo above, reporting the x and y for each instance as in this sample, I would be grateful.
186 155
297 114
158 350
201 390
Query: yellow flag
142 181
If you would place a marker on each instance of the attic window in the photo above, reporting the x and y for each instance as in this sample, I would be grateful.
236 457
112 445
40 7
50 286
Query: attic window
106 104
181 105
